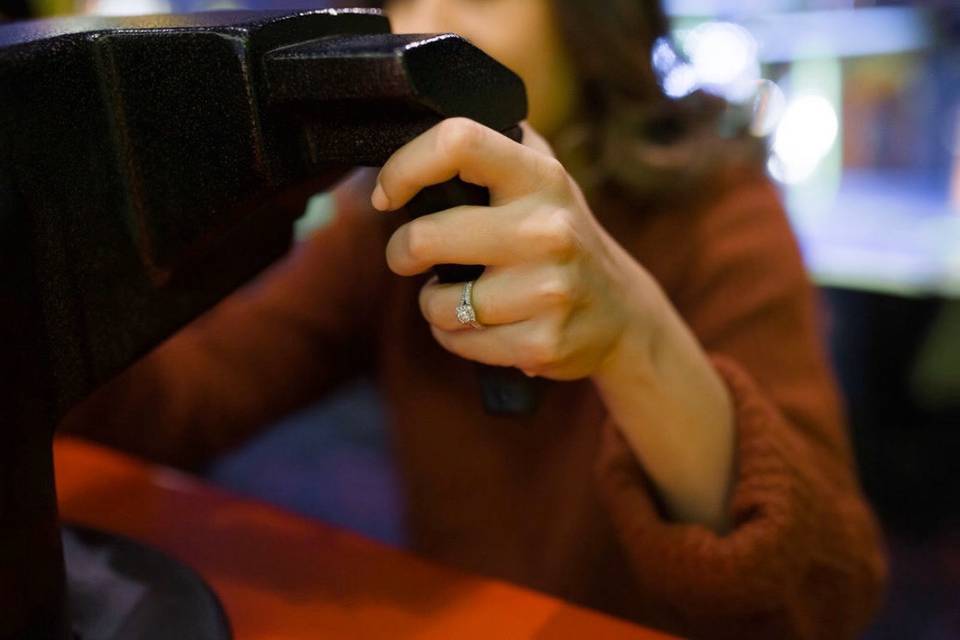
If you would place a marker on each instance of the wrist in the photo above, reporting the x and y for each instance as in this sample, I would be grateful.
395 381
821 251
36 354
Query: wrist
638 350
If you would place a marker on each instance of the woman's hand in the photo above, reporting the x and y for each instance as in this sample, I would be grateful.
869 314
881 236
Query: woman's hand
561 299
558 293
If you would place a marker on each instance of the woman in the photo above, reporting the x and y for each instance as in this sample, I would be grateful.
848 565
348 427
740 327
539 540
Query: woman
688 467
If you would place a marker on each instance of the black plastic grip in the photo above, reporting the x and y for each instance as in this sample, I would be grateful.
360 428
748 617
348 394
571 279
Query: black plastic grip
506 391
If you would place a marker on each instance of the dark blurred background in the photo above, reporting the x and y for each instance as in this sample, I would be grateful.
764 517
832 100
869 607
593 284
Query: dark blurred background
861 104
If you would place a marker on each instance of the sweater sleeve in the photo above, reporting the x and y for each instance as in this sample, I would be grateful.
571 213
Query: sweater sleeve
803 558
304 325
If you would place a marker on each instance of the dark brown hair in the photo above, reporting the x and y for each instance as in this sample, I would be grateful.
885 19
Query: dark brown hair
629 135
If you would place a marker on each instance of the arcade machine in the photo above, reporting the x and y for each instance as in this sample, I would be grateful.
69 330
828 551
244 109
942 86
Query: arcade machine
138 161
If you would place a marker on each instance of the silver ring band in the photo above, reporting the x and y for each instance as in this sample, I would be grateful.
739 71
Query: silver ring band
466 314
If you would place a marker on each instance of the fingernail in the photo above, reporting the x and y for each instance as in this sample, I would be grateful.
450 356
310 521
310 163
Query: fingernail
379 199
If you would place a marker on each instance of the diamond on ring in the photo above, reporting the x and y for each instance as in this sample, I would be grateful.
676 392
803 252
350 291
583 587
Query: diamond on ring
466 314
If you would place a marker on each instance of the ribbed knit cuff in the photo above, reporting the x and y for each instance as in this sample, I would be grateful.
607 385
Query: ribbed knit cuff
772 510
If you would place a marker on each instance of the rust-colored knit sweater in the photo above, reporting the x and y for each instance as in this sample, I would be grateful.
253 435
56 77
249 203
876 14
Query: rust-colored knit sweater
557 501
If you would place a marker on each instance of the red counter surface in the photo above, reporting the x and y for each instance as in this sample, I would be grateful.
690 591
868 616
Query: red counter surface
284 577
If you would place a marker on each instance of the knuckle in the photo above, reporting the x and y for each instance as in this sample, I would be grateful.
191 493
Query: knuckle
557 290
420 240
552 172
552 176
458 135
540 351
556 234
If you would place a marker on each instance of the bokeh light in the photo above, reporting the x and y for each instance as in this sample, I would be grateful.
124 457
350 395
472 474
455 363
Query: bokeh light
128 7
724 56
803 138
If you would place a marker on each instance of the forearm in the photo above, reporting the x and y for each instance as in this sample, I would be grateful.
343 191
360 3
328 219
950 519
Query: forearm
270 348
675 413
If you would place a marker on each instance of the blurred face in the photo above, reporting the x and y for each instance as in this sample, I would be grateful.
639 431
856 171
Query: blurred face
521 34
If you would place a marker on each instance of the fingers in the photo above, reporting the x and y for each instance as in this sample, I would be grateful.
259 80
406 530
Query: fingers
493 346
475 153
534 346
462 235
530 239
494 236
500 297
